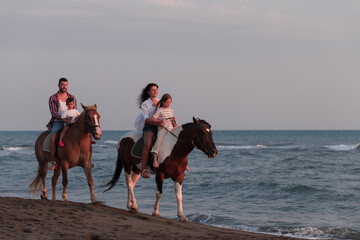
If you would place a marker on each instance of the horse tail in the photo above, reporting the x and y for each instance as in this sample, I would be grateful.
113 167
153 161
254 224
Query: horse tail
118 170
38 184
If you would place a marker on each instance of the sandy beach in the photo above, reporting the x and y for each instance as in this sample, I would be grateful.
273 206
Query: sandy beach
42 219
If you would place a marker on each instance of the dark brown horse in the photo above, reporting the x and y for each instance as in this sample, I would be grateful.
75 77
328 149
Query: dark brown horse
177 145
76 152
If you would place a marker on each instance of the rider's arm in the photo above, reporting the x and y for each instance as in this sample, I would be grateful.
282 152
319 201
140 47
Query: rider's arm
54 107
156 120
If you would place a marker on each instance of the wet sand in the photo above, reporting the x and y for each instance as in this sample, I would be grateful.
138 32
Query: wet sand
42 219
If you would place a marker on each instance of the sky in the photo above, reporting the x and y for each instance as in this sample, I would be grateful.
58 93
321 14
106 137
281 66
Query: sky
238 64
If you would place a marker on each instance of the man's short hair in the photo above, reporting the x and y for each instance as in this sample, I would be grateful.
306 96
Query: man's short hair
62 80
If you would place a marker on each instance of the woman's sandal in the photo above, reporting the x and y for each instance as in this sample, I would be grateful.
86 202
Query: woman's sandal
145 173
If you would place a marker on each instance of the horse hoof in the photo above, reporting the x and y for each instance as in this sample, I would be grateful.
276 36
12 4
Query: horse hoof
43 197
98 203
134 210
184 219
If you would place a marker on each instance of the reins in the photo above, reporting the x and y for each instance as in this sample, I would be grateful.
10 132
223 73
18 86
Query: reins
192 142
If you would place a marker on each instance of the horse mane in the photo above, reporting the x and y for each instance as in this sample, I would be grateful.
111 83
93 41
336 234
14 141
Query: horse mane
201 121
88 108
82 114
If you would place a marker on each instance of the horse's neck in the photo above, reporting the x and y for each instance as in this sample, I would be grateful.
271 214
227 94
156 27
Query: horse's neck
79 128
186 138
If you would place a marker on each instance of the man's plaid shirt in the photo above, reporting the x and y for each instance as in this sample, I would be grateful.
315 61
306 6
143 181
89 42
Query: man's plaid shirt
54 108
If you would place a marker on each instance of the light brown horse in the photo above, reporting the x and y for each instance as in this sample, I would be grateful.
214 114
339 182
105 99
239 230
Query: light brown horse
177 145
76 152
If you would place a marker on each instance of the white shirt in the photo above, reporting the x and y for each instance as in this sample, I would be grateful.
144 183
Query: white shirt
71 113
147 111
62 108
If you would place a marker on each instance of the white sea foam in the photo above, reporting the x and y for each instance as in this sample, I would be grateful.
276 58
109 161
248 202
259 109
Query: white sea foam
112 142
259 146
11 149
229 147
343 147
4 151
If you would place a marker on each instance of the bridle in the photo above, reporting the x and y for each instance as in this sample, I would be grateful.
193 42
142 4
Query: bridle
196 135
89 129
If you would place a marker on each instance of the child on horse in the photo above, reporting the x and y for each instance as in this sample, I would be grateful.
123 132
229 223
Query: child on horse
163 112
70 112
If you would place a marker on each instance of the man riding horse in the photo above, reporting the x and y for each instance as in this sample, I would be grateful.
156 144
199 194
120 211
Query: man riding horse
57 105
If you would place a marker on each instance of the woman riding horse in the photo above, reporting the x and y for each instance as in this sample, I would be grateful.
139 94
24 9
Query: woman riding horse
172 160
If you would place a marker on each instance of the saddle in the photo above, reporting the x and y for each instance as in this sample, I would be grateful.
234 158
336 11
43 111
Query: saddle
136 150
46 143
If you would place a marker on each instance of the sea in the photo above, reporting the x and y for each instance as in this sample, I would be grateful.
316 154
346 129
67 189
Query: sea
303 184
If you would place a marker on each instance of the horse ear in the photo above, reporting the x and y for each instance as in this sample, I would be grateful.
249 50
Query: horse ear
95 106
84 107
195 121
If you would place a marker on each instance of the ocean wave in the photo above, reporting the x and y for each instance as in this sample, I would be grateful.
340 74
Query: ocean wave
290 231
5 151
106 144
112 142
13 148
247 147
343 147
312 232
210 219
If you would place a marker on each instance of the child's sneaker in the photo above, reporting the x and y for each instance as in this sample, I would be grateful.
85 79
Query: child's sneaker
92 142
61 144
52 166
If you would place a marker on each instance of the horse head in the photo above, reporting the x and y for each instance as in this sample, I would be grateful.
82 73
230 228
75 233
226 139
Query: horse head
203 138
92 120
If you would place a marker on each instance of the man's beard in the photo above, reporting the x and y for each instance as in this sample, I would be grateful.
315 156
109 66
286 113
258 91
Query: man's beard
62 91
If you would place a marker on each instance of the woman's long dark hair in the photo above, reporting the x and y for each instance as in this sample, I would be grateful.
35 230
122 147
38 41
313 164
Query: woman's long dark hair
144 94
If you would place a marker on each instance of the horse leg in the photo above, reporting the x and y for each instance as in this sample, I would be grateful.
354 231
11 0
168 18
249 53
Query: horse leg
44 194
159 184
130 183
54 182
178 192
64 168
43 166
87 169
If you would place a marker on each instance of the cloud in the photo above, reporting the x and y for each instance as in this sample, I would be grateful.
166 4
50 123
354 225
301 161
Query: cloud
242 10
173 3
275 16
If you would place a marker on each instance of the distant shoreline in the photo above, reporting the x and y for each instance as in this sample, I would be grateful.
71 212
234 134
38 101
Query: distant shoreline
44 219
